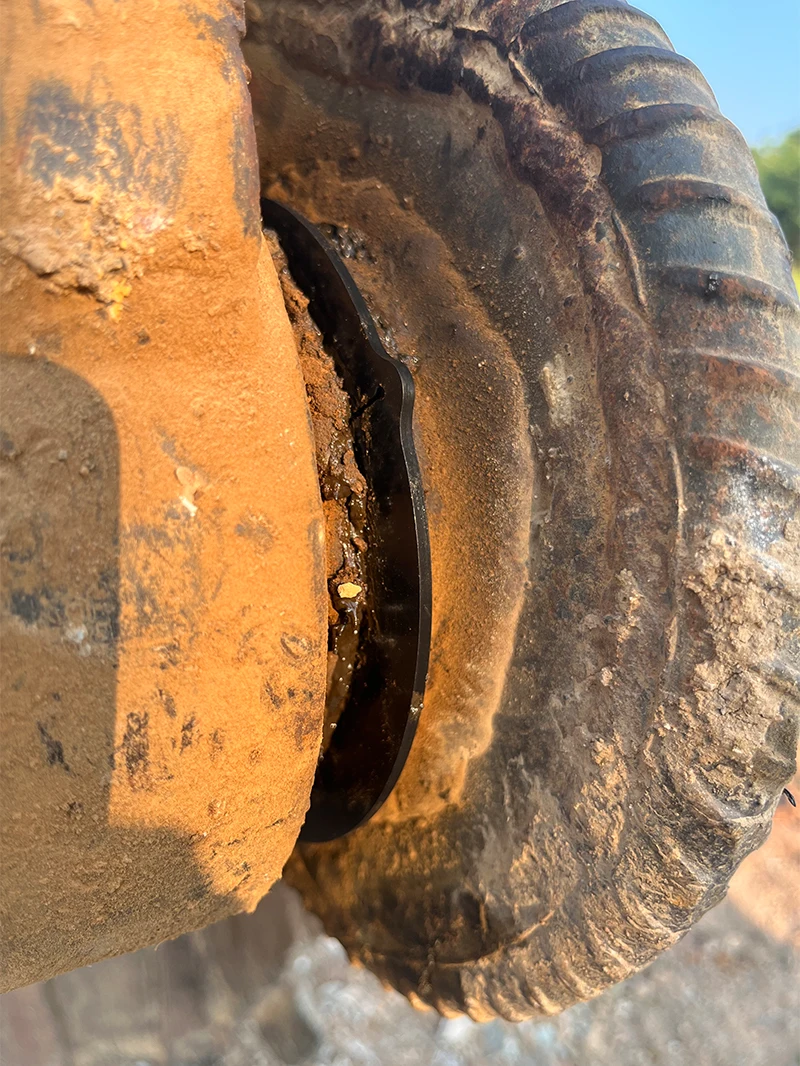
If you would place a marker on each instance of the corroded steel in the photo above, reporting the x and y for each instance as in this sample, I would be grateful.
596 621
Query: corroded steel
163 599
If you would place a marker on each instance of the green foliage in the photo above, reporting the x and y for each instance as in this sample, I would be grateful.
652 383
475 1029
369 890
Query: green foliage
779 171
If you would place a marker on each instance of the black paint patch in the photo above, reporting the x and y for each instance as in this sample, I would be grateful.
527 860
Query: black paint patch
187 734
54 748
269 693
66 139
48 607
27 606
246 181
168 703
104 608
136 748
202 891
306 725
162 587
257 529
297 648
8 449
22 544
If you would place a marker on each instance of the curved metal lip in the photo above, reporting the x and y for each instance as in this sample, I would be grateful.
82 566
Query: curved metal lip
373 737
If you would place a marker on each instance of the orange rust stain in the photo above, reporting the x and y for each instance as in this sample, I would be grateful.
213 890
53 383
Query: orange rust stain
130 266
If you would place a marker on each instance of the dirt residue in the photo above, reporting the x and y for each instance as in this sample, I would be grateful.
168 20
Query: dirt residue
161 543
740 722
343 488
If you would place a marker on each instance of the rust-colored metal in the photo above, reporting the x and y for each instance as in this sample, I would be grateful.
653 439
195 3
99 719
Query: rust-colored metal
163 600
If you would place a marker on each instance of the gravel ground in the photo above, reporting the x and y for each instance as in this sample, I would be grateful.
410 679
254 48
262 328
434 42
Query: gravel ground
270 989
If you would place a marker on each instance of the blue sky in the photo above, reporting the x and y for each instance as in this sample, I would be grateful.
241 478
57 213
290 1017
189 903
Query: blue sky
749 52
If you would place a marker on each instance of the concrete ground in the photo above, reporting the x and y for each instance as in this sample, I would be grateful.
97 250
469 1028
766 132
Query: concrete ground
270 989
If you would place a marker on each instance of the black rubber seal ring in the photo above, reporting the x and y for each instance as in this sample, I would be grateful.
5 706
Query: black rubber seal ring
373 736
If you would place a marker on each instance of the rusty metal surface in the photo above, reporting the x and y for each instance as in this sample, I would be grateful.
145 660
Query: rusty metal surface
567 241
163 585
